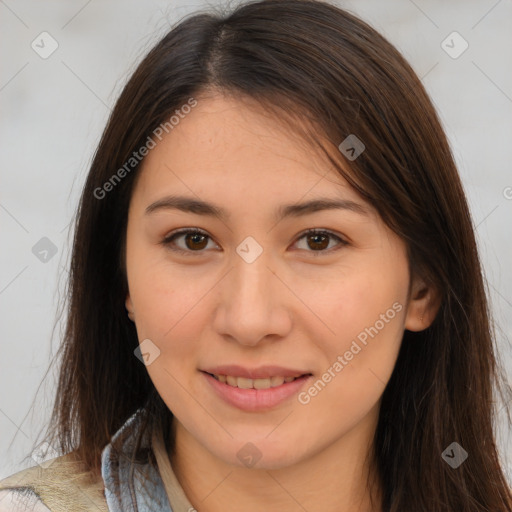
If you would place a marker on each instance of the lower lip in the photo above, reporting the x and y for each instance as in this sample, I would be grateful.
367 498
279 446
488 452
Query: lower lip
253 400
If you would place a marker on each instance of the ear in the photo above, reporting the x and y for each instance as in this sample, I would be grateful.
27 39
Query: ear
424 303
129 307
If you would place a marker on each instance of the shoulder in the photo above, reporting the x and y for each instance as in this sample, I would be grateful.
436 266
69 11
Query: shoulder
21 499
60 484
17 492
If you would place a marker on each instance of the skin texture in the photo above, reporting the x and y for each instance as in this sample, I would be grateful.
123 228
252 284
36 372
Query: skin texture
293 307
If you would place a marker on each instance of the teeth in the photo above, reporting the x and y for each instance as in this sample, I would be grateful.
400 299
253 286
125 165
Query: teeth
276 381
232 381
244 383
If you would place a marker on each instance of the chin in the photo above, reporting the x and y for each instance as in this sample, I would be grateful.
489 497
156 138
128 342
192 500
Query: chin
261 454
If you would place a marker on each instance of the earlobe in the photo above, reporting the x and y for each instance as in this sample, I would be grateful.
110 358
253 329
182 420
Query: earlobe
129 308
424 303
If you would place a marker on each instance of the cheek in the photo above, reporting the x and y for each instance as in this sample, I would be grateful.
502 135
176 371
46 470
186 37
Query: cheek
365 312
169 313
167 305
163 294
362 302
360 361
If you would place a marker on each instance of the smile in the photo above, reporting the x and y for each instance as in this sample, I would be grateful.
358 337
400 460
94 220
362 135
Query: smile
245 383
255 395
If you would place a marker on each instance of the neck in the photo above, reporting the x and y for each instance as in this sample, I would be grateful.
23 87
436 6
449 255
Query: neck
333 480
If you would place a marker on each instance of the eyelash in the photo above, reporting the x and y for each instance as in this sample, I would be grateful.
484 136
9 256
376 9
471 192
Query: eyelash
167 241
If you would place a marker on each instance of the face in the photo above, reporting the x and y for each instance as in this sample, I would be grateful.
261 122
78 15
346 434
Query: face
234 285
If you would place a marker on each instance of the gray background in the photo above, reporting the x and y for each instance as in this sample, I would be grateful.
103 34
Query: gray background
54 110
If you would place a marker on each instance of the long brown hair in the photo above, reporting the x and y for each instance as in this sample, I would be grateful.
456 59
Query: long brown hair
309 61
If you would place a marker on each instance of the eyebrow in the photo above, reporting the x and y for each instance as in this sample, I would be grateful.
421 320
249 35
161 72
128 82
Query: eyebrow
199 207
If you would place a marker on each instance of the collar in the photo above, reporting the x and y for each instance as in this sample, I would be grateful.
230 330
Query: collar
132 486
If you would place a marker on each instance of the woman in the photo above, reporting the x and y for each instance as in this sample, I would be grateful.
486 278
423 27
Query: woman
276 300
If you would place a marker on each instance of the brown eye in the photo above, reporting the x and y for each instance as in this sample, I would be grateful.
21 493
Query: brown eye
318 242
194 241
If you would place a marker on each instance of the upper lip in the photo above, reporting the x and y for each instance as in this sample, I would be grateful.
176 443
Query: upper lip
262 372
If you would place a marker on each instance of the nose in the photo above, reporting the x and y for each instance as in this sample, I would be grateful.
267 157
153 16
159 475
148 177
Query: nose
253 303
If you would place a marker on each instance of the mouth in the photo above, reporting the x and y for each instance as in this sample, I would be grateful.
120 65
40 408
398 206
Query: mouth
255 394
246 383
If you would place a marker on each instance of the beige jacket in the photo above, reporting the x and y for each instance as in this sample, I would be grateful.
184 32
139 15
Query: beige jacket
62 484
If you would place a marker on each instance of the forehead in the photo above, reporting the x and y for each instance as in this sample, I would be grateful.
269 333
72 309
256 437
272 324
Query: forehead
223 143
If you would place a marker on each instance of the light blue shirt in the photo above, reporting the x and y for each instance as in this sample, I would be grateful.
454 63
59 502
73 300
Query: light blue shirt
140 487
